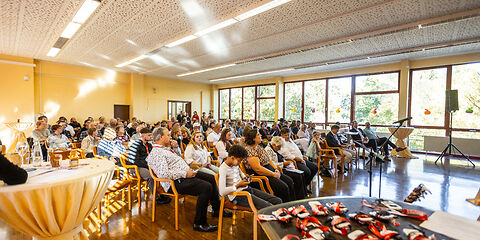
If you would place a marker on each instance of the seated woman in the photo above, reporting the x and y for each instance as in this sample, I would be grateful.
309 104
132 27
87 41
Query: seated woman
41 134
185 135
313 153
90 142
122 136
224 144
231 179
57 140
265 134
288 167
258 163
10 173
303 138
176 139
196 155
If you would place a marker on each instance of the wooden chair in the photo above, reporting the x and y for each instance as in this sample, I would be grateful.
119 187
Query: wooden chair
225 203
183 146
215 157
65 154
77 153
132 171
325 154
95 153
331 154
2 149
261 180
160 190
76 145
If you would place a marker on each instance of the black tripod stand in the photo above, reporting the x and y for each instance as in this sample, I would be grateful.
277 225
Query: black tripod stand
450 145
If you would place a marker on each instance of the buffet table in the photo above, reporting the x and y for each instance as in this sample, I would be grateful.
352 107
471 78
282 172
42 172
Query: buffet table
53 203
276 230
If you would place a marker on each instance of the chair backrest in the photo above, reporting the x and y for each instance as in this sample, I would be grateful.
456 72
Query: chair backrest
123 160
155 178
216 179
215 153
77 145
242 168
95 153
183 146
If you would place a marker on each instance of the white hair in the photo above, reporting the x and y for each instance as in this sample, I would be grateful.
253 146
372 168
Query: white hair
277 141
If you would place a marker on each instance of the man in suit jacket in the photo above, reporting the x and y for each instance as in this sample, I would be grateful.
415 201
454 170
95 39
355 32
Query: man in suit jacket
334 141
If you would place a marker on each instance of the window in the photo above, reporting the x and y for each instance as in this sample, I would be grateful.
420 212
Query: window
339 96
266 91
266 109
428 97
314 110
224 103
293 101
249 103
376 98
466 78
236 103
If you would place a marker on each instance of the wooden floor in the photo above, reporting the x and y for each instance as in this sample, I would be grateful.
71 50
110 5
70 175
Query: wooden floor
450 185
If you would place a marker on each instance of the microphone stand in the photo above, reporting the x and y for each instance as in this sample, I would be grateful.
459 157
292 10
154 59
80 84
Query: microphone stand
371 155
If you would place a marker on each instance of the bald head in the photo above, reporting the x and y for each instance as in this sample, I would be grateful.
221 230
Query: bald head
217 128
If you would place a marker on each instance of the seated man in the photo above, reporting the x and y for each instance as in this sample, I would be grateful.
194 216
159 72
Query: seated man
290 151
334 141
231 179
371 134
137 153
166 164
361 137
214 136
109 147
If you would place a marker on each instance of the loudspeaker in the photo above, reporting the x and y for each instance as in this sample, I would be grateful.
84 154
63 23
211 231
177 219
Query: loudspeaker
451 100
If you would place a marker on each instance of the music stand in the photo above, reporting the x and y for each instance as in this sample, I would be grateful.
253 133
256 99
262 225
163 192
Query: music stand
450 145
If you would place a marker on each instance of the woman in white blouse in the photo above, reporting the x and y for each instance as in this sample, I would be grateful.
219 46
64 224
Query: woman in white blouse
196 155
224 144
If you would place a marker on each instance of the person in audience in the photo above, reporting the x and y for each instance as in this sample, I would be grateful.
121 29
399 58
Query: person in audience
101 125
231 179
185 136
90 142
290 151
224 144
210 128
109 147
41 132
311 128
113 123
164 124
134 120
198 127
166 164
66 129
10 173
263 131
197 156
57 140
195 116
274 131
176 137
334 141
372 134
313 152
294 127
75 125
136 135
214 136
258 163
303 139
83 131
122 137
240 126
288 167
361 137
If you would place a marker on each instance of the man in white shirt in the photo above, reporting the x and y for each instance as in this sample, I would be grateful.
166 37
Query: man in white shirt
231 179
166 164
290 151
214 136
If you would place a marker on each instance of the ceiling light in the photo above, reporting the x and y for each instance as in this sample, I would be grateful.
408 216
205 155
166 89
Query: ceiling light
88 7
71 29
263 8
53 52
252 74
131 42
131 61
216 27
180 41
206 70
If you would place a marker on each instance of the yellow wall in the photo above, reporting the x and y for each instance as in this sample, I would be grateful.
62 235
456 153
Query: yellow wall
16 99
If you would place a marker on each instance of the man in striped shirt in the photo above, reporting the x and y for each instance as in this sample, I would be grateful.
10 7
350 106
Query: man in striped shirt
109 147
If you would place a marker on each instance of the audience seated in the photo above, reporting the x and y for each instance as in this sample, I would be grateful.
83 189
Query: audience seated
166 164
371 134
224 144
185 135
231 179
287 167
57 140
214 136
109 147
197 155
41 132
334 141
303 138
290 151
122 137
258 163
90 142
361 137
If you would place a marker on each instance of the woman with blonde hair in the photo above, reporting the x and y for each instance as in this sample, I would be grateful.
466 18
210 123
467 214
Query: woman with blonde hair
196 155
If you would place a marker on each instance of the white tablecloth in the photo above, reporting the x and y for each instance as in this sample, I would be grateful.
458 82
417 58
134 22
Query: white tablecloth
53 205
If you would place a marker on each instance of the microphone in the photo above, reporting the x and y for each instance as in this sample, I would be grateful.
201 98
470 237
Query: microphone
403 120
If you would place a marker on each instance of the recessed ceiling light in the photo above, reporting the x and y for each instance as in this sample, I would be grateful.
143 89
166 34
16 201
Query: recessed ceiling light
53 52
262 8
88 7
216 27
180 41
252 74
131 42
71 29
206 70
131 61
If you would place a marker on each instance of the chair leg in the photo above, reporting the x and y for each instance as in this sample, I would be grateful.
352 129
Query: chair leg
255 226
336 170
129 197
176 212
220 218
139 193
234 218
154 202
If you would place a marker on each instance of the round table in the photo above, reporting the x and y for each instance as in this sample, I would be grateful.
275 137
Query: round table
276 230
401 135
53 205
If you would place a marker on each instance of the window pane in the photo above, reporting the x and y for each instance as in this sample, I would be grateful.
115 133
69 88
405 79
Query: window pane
315 101
416 139
459 134
266 91
236 98
266 109
249 103
378 109
428 97
466 78
224 107
377 82
293 101
339 99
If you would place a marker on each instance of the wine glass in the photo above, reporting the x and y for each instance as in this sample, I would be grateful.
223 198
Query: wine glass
22 149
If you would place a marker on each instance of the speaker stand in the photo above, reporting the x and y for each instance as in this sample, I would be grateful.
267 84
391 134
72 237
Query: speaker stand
450 145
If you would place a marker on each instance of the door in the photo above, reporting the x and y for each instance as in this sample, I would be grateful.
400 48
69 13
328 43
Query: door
121 111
